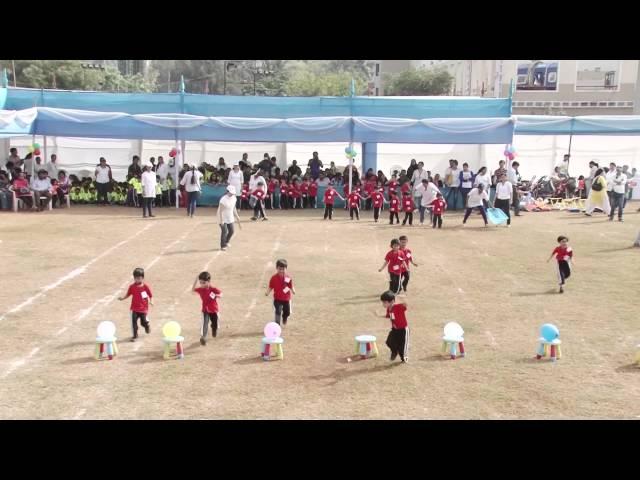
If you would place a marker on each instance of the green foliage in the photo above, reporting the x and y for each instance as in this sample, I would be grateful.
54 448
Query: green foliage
418 82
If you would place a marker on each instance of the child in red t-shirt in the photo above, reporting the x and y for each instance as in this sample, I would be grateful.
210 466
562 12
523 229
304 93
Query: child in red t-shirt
369 188
282 286
329 198
393 185
141 296
398 338
354 203
408 207
439 205
304 192
564 256
313 194
295 197
271 188
284 199
408 258
209 296
394 208
244 197
395 259
377 198
257 197
406 187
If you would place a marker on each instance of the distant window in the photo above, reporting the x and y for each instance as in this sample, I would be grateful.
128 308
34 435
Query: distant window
557 104
593 104
611 104
575 104
584 104
377 92
538 104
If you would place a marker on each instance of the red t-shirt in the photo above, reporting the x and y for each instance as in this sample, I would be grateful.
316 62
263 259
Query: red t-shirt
258 193
281 286
392 187
369 187
245 192
272 186
354 199
378 199
408 256
313 189
439 206
563 253
209 299
140 295
293 191
394 204
406 187
19 183
395 260
284 188
304 188
329 196
407 204
397 315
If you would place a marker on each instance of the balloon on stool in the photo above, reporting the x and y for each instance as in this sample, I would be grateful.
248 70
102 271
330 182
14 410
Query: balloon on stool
171 329
549 332
453 340
272 330
106 329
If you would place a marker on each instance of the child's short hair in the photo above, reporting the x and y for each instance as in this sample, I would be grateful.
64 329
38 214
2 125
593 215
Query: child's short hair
138 272
204 276
395 241
281 263
402 237
562 237
438 195
388 296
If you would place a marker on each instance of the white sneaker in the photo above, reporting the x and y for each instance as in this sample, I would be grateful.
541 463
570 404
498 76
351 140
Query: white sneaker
224 249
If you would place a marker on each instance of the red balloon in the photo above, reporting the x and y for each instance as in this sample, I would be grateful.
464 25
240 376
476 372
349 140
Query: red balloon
36 152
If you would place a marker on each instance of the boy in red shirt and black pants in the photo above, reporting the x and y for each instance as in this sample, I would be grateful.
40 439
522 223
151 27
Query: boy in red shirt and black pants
439 204
313 193
140 300
282 286
209 296
394 207
378 202
354 203
398 338
258 195
329 199
408 206
396 261
564 256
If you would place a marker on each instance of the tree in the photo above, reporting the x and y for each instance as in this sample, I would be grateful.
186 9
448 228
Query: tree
418 83
306 83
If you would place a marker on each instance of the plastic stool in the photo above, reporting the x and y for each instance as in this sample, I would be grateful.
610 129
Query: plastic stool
267 351
106 344
454 345
168 344
366 346
549 349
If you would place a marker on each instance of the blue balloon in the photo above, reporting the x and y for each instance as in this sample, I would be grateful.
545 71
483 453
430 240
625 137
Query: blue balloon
549 332
347 150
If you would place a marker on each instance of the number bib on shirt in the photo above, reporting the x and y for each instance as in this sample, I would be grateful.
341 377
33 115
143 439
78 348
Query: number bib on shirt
144 295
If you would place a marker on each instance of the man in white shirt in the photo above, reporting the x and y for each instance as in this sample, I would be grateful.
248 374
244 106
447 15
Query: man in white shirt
504 197
609 178
564 165
41 186
15 158
235 180
466 182
103 179
452 180
619 181
255 179
514 180
427 191
476 198
227 213
148 180
52 167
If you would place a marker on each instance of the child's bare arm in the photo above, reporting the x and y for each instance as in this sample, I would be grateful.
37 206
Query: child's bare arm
124 298
195 285
552 253
414 263
383 265
266 294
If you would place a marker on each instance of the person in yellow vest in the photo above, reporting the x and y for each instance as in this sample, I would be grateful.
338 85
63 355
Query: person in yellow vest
158 200
75 194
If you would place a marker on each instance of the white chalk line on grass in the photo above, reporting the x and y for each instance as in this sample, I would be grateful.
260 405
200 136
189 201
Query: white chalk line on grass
74 273
105 301
80 413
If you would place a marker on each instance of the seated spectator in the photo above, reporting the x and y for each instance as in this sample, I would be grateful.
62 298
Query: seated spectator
21 187
6 195
41 186
323 181
62 188
436 179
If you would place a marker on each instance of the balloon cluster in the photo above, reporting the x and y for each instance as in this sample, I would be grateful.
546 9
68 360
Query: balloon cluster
35 149
510 152
174 152
350 152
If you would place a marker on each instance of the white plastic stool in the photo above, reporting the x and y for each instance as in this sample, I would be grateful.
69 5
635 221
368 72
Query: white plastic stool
267 350
169 342
108 344
366 346
453 345
549 348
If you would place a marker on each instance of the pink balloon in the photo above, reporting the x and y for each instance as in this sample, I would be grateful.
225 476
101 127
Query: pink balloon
511 157
272 330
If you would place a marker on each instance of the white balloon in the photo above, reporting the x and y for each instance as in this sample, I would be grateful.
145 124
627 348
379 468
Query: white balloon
106 329
453 330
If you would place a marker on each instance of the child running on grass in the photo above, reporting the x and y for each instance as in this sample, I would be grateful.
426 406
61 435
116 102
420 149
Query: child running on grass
282 286
398 338
394 208
406 251
396 261
564 256
439 205
140 294
329 200
209 296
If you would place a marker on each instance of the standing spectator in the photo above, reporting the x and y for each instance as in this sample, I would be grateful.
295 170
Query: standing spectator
504 196
14 158
619 183
382 178
627 187
418 175
152 161
148 180
483 178
499 172
221 164
6 195
593 166
598 195
265 164
191 182
27 164
316 164
41 186
332 168
134 169
564 166
235 180
609 178
227 213
413 166
476 199
244 162
514 180
52 166
162 170
294 170
103 180
466 182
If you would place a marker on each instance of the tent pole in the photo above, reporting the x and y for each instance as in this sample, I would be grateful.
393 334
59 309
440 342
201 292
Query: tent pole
45 149
33 157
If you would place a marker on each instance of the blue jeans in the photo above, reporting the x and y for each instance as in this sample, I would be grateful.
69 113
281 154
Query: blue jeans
422 210
192 199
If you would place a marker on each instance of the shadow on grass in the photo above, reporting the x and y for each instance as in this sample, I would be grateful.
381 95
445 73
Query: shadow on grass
534 360
82 360
437 358
535 294
257 335
344 374
613 250
631 368
250 361
90 345
148 357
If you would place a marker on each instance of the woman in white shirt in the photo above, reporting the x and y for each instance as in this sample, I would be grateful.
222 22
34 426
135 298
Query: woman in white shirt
227 213
235 180
148 180
191 184
483 178
476 199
